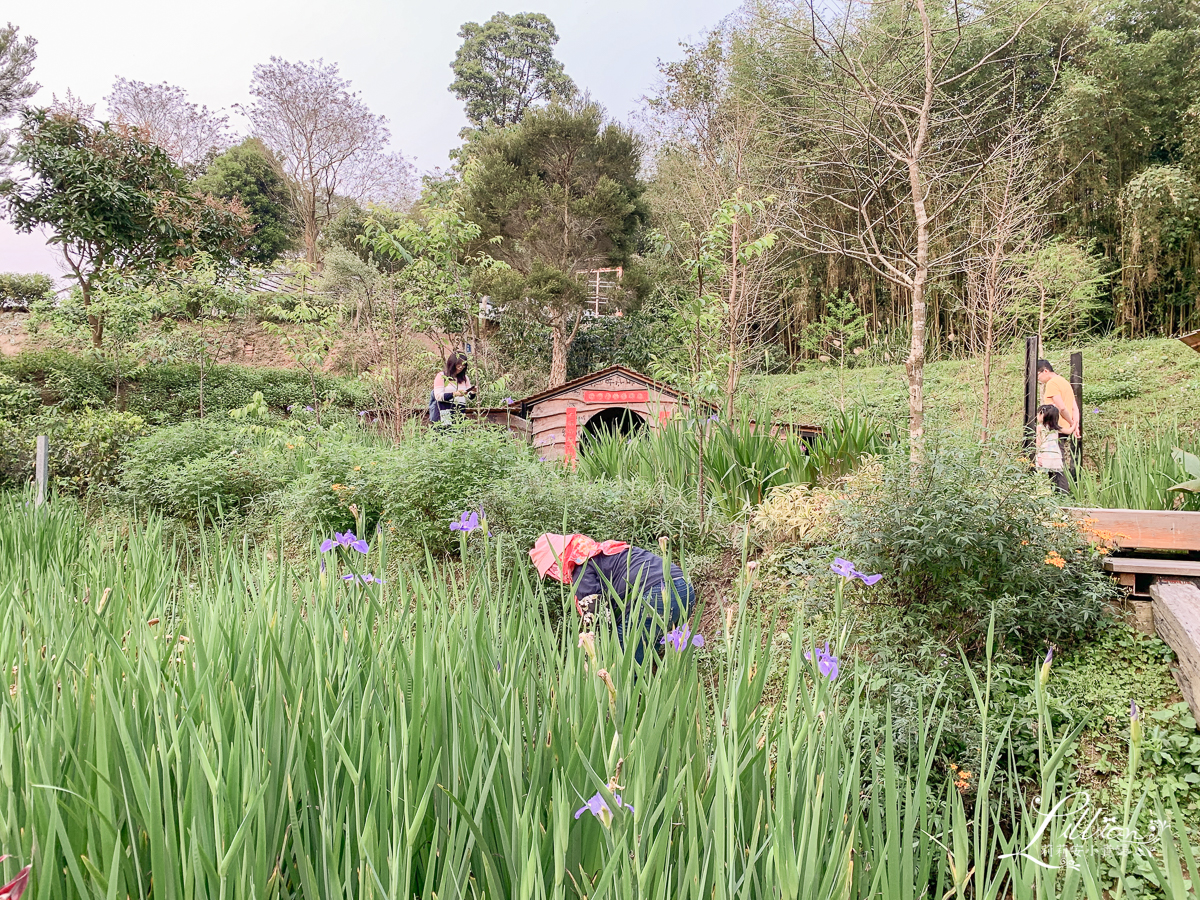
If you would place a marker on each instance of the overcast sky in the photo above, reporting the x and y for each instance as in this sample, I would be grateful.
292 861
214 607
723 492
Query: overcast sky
396 53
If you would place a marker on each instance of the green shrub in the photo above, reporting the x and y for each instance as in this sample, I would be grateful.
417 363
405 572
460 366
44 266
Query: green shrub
1123 385
974 533
69 381
165 392
535 499
88 449
18 291
414 488
17 400
201 468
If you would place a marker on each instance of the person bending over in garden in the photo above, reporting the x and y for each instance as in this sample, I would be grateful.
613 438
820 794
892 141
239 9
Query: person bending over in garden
632 582
451 388
1049 448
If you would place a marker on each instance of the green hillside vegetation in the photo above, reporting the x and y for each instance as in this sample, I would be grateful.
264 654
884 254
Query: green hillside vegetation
1127 384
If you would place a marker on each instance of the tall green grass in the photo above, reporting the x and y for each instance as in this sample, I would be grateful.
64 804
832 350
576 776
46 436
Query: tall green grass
214 725
1135 470
743 460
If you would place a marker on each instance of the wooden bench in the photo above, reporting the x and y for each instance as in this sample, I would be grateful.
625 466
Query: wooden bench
1143 529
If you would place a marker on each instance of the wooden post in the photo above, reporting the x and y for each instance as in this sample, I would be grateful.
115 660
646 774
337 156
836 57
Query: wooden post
1032 349
42 468
1077 390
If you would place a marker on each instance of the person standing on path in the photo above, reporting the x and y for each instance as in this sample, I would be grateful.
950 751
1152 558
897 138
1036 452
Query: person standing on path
1057 392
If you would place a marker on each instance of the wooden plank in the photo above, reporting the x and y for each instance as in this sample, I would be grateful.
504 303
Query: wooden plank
1177 621
1143 529
1032 348
1077 390
42 468
1180 568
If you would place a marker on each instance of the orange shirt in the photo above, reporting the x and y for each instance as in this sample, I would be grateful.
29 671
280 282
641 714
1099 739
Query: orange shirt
1057 391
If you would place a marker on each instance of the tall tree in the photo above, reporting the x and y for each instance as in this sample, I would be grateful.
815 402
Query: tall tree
249 174
507 65
191 134
893 114
555 196
16 65
330 145
711 188
114 202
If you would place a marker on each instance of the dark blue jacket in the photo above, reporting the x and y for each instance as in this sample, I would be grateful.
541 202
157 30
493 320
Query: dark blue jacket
635 568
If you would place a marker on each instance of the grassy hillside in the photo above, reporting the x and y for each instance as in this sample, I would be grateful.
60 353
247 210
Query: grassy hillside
1125 383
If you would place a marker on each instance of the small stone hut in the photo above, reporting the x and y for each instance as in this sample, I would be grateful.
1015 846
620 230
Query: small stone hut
615 398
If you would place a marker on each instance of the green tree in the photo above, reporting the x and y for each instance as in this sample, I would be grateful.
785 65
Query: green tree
505 66
555 196
434 279
16 65
114 202
247 173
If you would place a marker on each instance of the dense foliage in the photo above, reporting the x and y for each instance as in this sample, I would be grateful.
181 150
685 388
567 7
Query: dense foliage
112 201
247 173
505 66
19 291
973 537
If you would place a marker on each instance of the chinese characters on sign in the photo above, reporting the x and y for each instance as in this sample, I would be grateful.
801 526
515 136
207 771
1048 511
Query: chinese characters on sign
616 396
572 434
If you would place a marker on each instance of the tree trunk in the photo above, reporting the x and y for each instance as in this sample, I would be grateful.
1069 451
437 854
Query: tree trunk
987 372
558 352
915 365
96 322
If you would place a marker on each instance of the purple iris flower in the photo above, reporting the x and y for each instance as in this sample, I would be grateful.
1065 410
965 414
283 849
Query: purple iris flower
827 663
347 540
679 638
714 418
846 569
598 808
469 521
508 401
291 406
368 578
308 409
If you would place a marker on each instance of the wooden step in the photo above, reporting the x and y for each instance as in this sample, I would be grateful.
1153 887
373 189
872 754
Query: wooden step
1177 621
1143 529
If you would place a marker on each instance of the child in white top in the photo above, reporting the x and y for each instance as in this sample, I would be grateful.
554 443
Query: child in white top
1049 451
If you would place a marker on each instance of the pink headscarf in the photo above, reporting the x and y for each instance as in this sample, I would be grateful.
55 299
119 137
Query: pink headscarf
557 555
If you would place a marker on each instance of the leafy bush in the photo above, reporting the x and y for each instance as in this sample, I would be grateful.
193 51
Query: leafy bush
18 291
163 392
197 469
972 533
414 489
88 449
533 500
17 400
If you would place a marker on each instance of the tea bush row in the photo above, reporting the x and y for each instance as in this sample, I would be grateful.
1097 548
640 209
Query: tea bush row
160 392
338 477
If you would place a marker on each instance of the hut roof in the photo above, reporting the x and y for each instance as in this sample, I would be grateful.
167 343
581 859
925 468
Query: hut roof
598 375
1192 340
